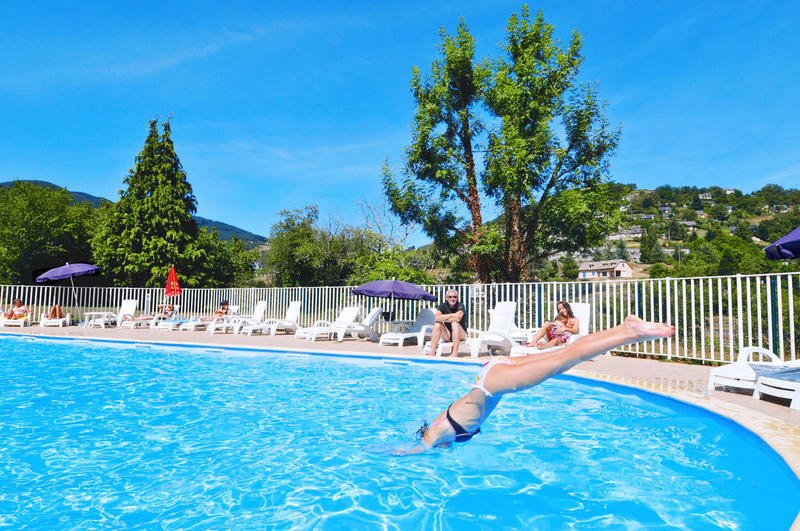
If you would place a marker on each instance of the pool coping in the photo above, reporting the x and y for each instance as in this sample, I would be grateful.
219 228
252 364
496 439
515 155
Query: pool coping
778 434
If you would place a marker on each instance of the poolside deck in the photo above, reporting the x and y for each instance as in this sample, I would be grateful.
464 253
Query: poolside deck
772 420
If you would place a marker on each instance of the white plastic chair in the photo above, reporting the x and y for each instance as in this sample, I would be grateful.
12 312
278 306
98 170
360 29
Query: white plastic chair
101 319
46 321
581 310
751 362
365 327
322 328
411 330
287 324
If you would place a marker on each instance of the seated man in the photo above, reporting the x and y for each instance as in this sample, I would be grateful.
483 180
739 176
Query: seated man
17 310
450 323
558 331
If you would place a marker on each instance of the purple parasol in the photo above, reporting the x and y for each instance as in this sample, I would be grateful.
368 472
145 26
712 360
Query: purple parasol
394 288
786 247
68 271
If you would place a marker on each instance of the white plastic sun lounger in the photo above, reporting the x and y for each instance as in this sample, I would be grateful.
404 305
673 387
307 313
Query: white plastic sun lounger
288 324
784 384
365 327
502 333
403 331
237 322
196 323
103 319
22 321
581 310
328 329
46 321
750 364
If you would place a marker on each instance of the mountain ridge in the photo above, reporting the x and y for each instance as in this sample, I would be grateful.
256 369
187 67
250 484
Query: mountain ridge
226 230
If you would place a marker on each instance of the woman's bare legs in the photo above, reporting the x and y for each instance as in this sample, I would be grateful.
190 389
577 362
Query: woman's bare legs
543 331
530 370
55 312
552 343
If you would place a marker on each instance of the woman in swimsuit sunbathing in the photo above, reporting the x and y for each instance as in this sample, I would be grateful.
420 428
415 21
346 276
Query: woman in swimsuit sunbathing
560 329
17 310
462 420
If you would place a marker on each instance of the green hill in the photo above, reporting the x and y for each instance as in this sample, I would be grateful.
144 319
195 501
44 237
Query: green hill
226 231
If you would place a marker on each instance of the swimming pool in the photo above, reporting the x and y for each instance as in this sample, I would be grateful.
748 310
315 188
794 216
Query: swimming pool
107 434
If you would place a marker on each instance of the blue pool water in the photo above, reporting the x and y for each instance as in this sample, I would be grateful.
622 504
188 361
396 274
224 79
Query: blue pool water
107 435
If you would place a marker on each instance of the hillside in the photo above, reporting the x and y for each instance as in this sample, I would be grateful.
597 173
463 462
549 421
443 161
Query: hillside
226 231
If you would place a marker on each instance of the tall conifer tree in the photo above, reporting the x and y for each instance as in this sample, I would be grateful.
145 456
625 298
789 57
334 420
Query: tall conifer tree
151 226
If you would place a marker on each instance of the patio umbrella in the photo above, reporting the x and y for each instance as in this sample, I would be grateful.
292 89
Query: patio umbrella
173 288
786 247
69 271
395 289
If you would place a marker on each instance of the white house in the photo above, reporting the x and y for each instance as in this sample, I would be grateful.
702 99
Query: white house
605 269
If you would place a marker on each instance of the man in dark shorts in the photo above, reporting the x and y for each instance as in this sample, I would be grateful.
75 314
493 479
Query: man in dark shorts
450 323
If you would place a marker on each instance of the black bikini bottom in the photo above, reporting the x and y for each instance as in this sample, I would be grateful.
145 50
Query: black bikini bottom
462 435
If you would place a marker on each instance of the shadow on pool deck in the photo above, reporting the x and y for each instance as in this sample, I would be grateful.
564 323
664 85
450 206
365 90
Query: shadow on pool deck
772 420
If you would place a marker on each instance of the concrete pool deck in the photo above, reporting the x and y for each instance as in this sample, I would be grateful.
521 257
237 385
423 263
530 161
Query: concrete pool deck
772 420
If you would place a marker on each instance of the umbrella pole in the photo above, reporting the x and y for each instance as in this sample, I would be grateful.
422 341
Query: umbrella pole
74 293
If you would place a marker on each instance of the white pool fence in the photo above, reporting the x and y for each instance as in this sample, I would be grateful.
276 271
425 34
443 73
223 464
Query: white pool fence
713 316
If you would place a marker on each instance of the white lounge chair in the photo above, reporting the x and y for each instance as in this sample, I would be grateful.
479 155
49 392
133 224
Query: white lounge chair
236 322
581 310
750 363
365 327
502 333
103 319
23 321
323 328
287 324
196 323
405 330
784 384
46 321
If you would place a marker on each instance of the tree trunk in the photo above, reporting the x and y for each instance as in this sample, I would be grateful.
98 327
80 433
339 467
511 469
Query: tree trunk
514 253
479 264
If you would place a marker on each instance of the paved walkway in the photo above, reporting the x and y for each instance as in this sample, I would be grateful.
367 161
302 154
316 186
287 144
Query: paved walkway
771 419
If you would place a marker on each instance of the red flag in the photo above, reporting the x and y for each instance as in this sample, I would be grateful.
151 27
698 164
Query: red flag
173 288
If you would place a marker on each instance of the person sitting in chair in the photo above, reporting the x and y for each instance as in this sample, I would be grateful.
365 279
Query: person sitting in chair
17 310
450 323
559 330
56 312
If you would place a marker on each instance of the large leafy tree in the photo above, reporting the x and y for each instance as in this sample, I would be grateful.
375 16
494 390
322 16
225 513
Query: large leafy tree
40 228
442 191
546 158
151 226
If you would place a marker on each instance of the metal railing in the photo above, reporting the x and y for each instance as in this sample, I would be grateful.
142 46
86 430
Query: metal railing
713 316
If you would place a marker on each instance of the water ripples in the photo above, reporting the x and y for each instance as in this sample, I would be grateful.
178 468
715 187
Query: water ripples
104 436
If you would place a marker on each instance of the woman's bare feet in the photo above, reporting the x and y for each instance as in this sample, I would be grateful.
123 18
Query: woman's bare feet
645 330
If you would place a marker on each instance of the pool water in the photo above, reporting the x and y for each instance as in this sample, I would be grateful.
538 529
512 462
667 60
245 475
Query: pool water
109 435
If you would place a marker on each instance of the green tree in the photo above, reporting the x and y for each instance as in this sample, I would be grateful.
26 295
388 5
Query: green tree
151 226
442 179
545 163
622 251
40 228
553 141
658 271
569 268
390 264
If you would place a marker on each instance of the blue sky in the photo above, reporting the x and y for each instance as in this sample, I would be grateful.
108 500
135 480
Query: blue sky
278 106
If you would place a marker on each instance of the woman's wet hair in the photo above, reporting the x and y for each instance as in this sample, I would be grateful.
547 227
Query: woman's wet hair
223 303
422 430
567 307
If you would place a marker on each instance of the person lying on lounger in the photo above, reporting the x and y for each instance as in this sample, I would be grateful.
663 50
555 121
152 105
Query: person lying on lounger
463 418
559 330
165 311
17 310
56 312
